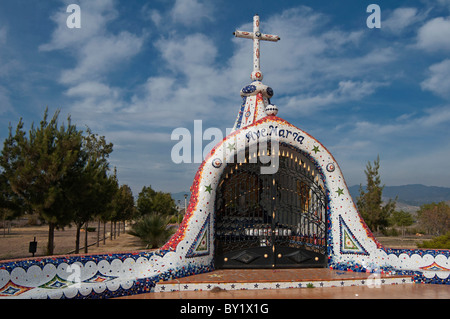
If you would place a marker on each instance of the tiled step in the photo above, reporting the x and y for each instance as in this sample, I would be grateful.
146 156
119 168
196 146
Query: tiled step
239 279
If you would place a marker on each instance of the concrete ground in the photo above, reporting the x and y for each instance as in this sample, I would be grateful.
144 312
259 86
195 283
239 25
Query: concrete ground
405 291
191 287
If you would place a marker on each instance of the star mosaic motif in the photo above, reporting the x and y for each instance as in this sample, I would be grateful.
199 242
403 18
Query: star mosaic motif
231 147
315 149
340 191
208 188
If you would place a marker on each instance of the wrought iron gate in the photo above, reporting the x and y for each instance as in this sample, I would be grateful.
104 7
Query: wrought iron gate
266 221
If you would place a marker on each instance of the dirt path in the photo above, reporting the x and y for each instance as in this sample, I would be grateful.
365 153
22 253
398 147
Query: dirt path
16 243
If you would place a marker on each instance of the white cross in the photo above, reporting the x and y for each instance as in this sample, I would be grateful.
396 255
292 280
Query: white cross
256 35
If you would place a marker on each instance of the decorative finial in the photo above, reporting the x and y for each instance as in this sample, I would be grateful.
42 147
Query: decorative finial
256 96
271 110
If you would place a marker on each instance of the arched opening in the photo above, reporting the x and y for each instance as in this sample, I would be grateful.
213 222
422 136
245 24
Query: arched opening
271 220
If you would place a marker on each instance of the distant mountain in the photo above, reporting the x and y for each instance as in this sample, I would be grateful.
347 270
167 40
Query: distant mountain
410 197
413 194
180 197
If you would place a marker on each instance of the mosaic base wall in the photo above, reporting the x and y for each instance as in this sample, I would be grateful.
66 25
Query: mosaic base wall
350 244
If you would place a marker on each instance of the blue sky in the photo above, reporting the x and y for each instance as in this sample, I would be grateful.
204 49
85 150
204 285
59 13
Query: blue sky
137 70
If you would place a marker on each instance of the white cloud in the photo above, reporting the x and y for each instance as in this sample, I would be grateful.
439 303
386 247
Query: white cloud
91 89
190 12
101 54
438 81
434 35
313 56
95 15
309 58
94 98
443 3
432 117
3 35
313 67
156 17
5 102
401 19
187 54
435 117
191 83
345 92
97 51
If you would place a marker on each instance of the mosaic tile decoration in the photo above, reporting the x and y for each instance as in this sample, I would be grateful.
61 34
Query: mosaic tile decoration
201 244
162 287
348 242
99 277
12 290
57 283
351 245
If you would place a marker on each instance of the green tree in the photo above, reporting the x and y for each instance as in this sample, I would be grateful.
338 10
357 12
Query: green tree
370 203
150 201
11 206
401 219
144 204
123 205
92 189
37 167
163 203
152 229
434 218
439 242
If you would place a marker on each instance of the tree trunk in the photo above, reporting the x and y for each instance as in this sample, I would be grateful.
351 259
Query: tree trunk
111 233
104 233
98 233
51 238
77 239
4 224
86 238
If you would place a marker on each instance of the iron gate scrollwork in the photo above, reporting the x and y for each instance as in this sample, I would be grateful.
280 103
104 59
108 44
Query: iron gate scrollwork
271 220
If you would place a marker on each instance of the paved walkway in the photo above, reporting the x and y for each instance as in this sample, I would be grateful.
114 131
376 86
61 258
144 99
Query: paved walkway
328 284
238 279
405 291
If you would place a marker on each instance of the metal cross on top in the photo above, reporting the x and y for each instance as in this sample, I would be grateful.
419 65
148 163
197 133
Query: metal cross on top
256 35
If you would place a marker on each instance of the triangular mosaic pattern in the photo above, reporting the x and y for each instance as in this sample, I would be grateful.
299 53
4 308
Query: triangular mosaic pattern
99 277
435 267
200 246
57 283
348 242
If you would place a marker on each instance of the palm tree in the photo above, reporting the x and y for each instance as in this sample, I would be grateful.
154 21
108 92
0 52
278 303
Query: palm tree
152 229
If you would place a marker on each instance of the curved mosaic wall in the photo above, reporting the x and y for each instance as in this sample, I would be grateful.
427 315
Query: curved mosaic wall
350 244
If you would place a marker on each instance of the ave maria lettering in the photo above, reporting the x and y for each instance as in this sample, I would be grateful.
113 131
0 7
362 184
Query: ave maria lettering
274 131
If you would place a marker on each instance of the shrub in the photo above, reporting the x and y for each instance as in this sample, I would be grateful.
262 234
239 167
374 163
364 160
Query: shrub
440 242
152 230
